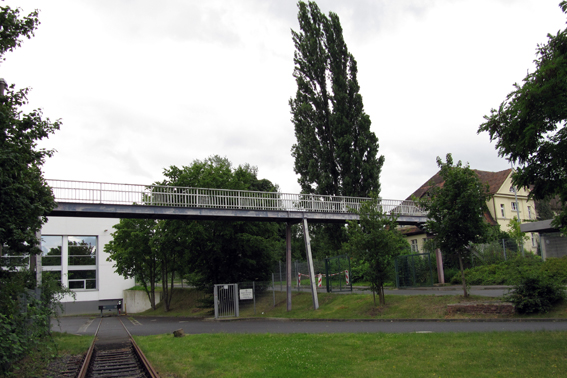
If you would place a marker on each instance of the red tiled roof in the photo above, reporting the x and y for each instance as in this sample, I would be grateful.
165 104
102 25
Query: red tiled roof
493 179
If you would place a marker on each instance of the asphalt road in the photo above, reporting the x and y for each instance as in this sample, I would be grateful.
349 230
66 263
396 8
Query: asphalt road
161 325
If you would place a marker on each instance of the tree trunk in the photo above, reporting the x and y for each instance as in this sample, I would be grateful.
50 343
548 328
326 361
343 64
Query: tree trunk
382 297
465 293
164 289
374 295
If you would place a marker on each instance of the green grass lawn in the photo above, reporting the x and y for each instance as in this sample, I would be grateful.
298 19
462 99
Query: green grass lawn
340 306
494 354
491 354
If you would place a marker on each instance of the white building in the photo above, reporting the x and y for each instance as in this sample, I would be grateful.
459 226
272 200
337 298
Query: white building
73 252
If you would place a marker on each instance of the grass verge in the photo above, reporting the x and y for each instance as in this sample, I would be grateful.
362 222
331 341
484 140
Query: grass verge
496 354
340 306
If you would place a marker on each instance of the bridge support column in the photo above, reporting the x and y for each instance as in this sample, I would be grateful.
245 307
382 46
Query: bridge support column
288 264
310 264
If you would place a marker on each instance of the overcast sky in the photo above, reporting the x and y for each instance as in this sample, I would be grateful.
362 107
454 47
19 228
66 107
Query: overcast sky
142 85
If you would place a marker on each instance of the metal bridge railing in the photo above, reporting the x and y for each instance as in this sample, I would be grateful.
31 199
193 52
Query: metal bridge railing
174 196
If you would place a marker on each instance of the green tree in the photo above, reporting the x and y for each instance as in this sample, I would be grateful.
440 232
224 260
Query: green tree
25 199
132 254
223 251
376 241
209 252
515 233
170 245
455 211
335 153
529 126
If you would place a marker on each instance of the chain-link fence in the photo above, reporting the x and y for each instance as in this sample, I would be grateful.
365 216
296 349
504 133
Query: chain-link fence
495 252
247 298
300 280
337 273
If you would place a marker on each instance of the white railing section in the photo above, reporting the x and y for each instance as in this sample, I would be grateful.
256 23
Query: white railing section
173 196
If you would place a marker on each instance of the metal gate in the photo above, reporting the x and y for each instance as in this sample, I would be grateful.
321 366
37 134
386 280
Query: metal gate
337 272
414 270
226 300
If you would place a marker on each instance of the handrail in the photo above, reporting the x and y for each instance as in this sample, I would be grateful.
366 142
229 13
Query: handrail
176 196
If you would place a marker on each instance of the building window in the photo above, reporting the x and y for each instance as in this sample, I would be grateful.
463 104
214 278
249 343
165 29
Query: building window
82 250
514 207
533 239
502 210
82 279
51 249
530 213
414 246
72 260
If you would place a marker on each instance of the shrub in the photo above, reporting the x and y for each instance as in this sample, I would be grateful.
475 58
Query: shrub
535 293
556 268
504 273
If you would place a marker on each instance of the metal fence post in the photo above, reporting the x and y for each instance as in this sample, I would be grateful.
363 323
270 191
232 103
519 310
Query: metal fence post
327 274
216 299
281 287
236 304
504 248
397 274
274 289
254 294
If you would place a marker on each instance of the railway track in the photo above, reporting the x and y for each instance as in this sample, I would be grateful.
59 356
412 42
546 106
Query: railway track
122 358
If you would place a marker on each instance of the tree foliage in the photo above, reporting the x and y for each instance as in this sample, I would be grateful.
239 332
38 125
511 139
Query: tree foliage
335 153
455 210
376 241
209 252
132 254
529 125
226 251
25 198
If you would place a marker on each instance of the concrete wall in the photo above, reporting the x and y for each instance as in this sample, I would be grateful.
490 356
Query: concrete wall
553 245
136 301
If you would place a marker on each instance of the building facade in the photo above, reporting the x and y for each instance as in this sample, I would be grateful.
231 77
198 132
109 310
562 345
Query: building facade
73 253
505 203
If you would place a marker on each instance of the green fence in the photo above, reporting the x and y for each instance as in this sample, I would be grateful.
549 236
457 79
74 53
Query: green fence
337 272
414 270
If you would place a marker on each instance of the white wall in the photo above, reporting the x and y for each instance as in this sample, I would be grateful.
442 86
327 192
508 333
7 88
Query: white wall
109 284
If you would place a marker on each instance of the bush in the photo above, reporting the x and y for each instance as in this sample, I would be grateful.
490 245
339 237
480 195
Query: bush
535 293
556 268
504 273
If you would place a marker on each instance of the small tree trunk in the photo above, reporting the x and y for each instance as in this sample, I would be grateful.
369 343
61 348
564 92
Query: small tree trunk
374 295
164 289
465 293
382 296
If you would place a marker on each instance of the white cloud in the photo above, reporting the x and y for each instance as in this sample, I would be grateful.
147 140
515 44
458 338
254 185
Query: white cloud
142 85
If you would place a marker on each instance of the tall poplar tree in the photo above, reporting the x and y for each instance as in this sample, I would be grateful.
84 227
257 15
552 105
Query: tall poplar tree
335 153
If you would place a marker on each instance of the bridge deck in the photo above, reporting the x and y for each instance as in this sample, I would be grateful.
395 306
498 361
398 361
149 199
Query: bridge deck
106 200
67 209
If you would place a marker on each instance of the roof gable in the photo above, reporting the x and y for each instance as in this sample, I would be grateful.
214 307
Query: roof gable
495 180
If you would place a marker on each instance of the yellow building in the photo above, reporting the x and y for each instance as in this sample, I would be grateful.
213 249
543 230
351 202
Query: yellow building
503 205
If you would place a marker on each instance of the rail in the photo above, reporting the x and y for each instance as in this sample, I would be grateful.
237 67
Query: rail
120 361
175 196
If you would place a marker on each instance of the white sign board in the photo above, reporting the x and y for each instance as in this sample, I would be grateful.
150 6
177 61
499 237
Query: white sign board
246 294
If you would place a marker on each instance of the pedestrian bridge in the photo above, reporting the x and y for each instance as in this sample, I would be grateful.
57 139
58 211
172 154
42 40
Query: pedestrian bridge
108 200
